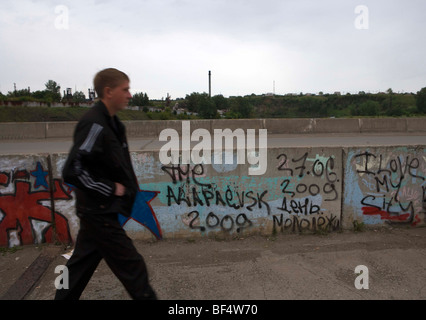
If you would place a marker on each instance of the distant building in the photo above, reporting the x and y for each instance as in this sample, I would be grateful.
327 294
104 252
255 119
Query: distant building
92 95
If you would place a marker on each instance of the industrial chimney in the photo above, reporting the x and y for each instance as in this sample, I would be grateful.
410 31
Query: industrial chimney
210 84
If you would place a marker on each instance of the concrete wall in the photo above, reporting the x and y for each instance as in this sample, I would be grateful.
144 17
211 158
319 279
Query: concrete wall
31 208
151 128
302 190
385 185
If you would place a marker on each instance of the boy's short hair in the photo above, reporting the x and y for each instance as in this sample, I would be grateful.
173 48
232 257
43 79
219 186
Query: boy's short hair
108 78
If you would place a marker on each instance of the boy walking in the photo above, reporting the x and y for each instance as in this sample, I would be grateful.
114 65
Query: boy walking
100 168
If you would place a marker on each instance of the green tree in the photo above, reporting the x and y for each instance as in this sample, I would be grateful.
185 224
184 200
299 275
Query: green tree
202 104
78 97
220 102
139 99
241 107
421 100
40 95
19 93
193 101
207 108
53 90
369 108
390 93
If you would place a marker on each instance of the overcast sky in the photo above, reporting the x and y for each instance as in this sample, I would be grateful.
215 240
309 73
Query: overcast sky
169 46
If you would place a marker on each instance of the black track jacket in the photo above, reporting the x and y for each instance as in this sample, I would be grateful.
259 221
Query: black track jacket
99 158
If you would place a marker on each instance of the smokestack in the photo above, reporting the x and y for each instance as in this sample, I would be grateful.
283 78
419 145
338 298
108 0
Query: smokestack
210 84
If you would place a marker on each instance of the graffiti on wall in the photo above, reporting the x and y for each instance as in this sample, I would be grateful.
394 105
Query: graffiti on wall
191 188
143 213
302 191
27 214
386 185
310 189
33 213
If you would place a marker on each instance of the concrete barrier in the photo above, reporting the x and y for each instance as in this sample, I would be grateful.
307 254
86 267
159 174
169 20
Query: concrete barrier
416 124
368 125
302 190
137 129
22 130
289 126
384 185
152 128
337 126
60 129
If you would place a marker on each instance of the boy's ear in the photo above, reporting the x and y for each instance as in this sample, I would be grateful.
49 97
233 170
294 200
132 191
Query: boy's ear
107 92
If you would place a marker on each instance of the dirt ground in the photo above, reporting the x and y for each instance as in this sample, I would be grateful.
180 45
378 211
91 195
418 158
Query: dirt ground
281 267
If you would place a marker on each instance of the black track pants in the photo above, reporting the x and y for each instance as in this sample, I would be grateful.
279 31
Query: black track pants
101 236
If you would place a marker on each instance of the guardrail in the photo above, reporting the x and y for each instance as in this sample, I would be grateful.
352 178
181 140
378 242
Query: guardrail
152 128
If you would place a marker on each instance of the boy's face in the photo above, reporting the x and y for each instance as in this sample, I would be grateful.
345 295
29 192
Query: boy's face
119 96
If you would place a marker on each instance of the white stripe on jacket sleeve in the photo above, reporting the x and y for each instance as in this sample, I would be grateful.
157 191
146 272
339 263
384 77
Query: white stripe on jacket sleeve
91 137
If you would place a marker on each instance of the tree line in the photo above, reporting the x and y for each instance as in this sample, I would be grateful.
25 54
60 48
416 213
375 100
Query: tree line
52 93
387 103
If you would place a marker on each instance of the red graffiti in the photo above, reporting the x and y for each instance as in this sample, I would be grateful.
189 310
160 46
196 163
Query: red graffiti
21 174
23 206
416 220
384 215
4 179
